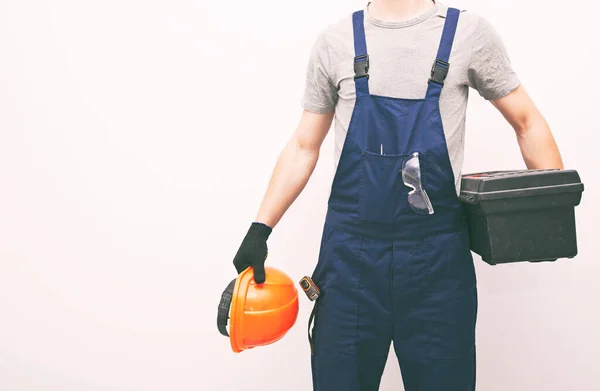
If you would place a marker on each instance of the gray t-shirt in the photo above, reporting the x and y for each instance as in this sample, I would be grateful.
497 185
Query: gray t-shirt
401 55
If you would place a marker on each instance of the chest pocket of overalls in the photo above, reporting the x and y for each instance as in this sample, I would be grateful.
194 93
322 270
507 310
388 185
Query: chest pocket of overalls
383 195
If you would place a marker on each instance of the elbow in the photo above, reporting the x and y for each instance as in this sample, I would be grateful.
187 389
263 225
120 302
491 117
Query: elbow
306 150
524 125
310 152
521 130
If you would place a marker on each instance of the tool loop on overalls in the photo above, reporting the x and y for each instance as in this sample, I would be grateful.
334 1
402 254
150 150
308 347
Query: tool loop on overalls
312 292
310 322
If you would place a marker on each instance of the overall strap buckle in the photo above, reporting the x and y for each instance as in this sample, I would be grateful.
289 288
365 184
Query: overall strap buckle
361 66
439 71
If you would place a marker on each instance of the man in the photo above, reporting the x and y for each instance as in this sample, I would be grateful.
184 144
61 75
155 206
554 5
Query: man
394 263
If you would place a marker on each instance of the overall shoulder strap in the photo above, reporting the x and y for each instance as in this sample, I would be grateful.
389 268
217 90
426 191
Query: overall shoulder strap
361 58
441 66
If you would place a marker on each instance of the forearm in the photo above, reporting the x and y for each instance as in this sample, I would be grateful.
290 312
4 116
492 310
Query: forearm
292 171
538 147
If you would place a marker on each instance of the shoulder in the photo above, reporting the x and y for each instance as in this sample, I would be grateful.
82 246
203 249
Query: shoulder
337 38
473 28
338 29
468 22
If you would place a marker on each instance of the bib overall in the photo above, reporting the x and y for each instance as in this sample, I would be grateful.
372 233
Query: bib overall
386 273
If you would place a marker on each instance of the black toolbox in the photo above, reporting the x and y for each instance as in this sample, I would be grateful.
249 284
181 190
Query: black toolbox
522 216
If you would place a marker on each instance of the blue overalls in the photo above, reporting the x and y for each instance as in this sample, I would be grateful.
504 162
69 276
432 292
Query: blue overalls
385 272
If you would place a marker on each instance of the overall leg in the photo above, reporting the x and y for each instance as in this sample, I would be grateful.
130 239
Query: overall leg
353 325
436 307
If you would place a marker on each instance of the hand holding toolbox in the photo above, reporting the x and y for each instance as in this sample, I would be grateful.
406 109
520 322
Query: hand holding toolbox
522 216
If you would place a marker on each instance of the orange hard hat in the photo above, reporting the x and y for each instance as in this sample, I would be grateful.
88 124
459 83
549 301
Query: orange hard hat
259 314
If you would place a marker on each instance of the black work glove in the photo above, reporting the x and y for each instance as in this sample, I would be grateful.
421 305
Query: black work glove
253 251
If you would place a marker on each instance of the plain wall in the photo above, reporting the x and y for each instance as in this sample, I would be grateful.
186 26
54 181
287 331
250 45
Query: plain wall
136 142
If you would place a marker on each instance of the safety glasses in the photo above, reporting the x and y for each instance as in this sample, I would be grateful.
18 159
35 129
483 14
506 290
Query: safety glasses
411 175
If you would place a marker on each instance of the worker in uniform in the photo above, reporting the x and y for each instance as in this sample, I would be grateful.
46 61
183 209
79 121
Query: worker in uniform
395 265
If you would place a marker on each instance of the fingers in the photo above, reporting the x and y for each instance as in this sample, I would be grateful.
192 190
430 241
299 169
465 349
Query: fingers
259 273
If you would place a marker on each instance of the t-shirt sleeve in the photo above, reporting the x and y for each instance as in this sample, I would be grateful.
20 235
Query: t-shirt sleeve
490 70
320 92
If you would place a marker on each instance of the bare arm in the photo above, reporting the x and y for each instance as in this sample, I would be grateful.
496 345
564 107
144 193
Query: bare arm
294 167
535 139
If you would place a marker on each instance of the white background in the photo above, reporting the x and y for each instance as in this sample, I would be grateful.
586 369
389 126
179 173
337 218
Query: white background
136 142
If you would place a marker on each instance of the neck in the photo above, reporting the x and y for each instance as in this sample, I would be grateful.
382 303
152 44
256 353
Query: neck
398 10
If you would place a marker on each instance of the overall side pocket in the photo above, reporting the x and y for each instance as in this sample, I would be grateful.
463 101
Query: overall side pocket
338 278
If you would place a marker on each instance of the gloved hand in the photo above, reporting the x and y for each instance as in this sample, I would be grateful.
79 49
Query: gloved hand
253 251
